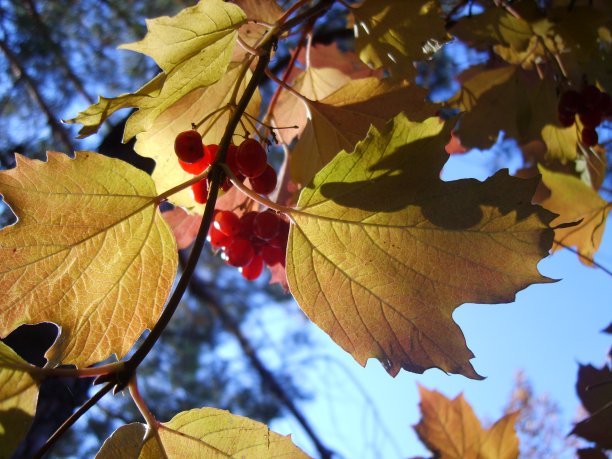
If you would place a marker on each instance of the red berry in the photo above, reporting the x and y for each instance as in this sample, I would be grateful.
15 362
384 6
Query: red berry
239 253
272 255
200 191
265 183
246 224
253 269
195 168
590 97
569 102
217 238
266 225
227 222
566 120
590 119
231 159
282 237
188 146
589 137
251 158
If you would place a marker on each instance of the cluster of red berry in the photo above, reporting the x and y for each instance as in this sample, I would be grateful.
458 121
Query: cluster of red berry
591 105
254 239
250 241
249 159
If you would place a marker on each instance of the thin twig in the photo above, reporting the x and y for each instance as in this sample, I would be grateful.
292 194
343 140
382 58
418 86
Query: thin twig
72 419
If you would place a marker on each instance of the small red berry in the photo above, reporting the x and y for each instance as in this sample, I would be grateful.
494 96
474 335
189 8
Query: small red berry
200 191
239 253
253 269
188 146
217 238
246 224
589 137
590 119
266 182
227 222
569 102
590 97
266 225
195 168
566 120
272 255
251 158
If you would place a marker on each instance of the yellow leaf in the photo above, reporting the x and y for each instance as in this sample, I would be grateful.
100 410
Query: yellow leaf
193 48
395 33
267 11
382 251
451 430
200 433
343 118
157 141
90 253
574 201
18 396
313 84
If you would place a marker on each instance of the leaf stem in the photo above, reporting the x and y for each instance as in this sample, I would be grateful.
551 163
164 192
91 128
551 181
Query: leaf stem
152 423
61 430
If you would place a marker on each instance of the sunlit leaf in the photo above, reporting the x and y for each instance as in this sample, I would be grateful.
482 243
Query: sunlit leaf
200 433
451 430
343 118
314 84
193 48
257 11
18 396
395 33
157 141
382 251
574 201
90 253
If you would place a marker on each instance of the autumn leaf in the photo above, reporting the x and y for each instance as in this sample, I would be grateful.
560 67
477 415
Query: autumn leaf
157 141
199 433
394 33
575 202
90 253
451 430
594 387
382 251
518 101
313 84
18 397
343 118
257 11
193 49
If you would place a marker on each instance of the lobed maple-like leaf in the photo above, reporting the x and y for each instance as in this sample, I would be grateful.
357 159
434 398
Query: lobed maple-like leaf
257 12
451 430
381 251
517 101
157 141
193 48
341 119
394 33
90 252
575 202
594 387
200 433
18 396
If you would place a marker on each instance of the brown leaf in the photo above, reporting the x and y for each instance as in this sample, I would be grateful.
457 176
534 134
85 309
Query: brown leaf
451 430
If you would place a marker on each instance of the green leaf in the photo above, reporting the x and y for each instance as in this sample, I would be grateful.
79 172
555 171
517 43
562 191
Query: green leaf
199 433
394 33
382 251
193 48
18 396
200 34
90 253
